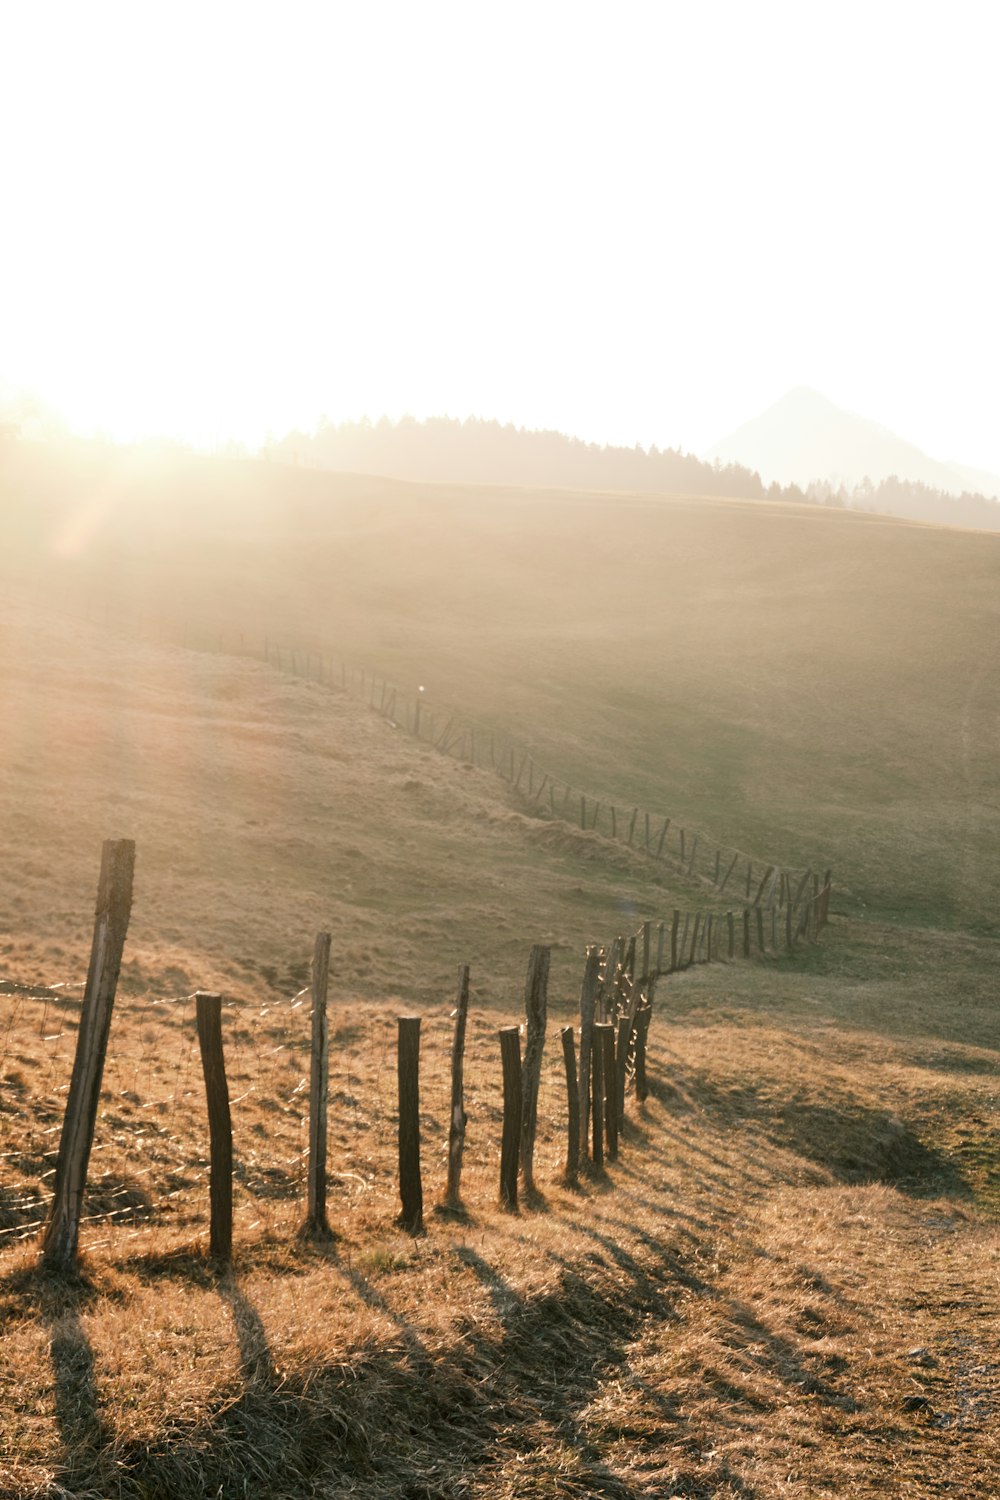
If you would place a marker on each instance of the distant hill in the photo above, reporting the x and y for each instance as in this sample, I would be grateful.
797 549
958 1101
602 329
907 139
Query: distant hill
446 450
805 437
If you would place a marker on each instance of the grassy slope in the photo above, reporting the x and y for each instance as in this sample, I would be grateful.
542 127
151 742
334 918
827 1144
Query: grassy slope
801 1205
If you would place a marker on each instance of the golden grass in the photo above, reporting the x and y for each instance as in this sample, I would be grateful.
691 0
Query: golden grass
732 1310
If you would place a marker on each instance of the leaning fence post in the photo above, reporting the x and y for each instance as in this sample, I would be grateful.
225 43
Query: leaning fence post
208 1014
536 1007
510 1057
317 1224
573 1103
114 905
456 1129
411 1193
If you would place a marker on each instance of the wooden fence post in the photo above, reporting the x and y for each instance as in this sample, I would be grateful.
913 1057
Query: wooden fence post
573 1103
610 1090
208 1012
536 1011
674 925
456 1128
510 1055
317 1224
621 1064
642 1020
597 1094
411 1192
695 937
725 880
588 1011
760 929
731 922
114 905
647 929
746 932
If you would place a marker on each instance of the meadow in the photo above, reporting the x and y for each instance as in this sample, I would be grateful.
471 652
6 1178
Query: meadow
787 1286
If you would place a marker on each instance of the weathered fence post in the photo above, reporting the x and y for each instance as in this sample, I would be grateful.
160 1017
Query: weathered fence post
597 1093
317 1224
456 1128
510 1056
674 925
731 922
573 1106
610 1090
621 1062
208 1014
536 1010
411 1193
588 1010
695 937
694 854
746 932
642 1020
114 905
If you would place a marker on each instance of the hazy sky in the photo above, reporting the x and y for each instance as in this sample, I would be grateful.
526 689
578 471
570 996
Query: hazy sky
635 222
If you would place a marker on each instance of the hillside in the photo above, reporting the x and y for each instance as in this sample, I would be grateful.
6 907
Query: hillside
821 683
787 1283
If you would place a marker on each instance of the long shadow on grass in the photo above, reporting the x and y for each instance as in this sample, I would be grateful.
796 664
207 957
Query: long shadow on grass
512 1390
854 1142
504 1396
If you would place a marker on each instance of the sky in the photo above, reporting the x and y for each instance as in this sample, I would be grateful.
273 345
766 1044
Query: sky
635 222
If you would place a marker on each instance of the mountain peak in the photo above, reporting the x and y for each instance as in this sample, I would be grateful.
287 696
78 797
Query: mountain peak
805 436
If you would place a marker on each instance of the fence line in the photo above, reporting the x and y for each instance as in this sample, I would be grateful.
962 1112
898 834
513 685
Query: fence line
696 857
691 852
153 1099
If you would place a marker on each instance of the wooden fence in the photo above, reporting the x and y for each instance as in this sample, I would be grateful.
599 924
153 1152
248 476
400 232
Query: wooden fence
286 1058
693 853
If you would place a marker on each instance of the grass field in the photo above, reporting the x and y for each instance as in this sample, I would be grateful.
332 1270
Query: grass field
788 1284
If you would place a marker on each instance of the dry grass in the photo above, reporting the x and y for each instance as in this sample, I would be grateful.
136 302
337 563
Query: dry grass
787 1286
758 1299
